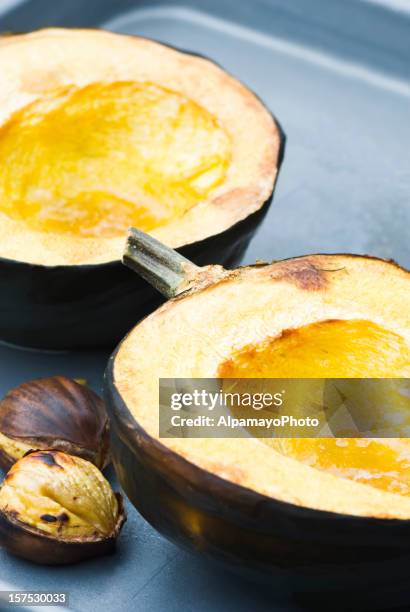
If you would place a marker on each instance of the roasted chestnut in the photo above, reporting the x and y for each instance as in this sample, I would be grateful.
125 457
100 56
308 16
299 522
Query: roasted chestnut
57 509
53 413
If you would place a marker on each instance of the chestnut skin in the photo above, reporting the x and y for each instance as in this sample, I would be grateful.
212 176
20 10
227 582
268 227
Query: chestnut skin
49 532
53 413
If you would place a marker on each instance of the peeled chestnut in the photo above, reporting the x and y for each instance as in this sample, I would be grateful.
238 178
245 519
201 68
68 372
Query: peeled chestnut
57 509
53 413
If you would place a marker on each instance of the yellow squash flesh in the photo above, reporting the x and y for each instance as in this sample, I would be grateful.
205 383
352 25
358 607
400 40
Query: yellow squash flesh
336 349
92 161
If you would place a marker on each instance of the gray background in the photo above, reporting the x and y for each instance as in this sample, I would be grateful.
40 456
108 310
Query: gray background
337 75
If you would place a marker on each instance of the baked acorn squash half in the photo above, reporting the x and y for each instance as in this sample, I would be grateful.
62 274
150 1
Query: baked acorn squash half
325 514
100 132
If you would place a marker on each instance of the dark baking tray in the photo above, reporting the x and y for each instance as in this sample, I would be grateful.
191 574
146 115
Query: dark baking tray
337 75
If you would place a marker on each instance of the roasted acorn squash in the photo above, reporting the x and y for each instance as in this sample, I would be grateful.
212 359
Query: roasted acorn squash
99 132
257 506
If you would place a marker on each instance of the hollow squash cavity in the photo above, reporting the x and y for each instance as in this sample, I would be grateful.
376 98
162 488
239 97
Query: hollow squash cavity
92 161
335 349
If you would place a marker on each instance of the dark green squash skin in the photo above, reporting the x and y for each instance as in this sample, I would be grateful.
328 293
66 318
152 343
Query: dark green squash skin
352 560
83 306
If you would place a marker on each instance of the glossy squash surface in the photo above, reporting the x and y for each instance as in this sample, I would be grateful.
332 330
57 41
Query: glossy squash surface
93 161
338 349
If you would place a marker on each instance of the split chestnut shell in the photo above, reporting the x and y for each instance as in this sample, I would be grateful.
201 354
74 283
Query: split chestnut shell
56 509
53 413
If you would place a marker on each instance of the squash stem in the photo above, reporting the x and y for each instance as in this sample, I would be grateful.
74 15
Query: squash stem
164 268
